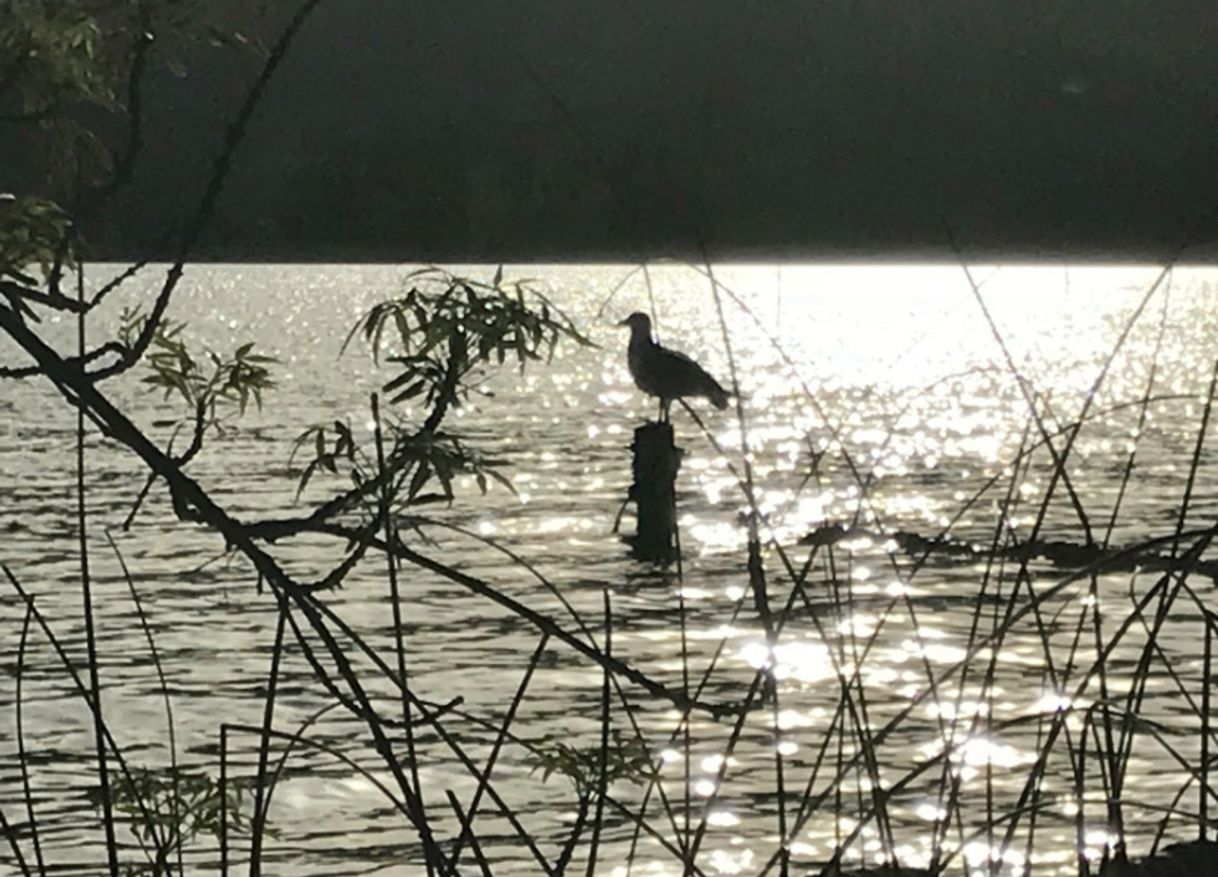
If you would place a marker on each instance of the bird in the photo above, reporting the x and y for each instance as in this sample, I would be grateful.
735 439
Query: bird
664 373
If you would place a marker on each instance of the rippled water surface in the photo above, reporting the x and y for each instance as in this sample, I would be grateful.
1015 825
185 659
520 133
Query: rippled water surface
878 397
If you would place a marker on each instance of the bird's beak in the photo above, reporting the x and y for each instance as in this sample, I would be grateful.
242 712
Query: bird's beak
625 322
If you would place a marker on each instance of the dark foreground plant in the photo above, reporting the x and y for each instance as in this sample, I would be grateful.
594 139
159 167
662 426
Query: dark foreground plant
442 336
849 776
169 808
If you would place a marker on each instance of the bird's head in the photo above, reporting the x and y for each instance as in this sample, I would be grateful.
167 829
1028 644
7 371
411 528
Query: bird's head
639 323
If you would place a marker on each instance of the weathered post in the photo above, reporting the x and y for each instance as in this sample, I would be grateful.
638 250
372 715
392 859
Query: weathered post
657 460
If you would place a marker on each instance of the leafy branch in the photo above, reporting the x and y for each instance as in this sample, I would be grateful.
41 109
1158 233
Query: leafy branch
55 55
443 334
624 760
211 386
417 461
176 804
449 325
217 388
31 231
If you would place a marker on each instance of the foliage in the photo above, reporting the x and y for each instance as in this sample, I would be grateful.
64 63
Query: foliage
419 458
31 231
449 326
69 72
329 453
624 760
449 329
61 61
175 806
55 63
210 386
54 57
444 457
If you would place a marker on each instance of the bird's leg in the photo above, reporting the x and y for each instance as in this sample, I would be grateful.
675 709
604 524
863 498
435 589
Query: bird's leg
666 404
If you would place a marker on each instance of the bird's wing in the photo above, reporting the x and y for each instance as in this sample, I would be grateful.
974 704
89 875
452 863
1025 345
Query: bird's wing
686 376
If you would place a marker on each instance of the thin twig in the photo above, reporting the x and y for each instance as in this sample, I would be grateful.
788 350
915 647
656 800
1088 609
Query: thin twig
21 756
602 780
103 774
258 823
487 771
160 672
399 641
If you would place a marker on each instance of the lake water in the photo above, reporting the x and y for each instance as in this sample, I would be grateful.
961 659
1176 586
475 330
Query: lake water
877 394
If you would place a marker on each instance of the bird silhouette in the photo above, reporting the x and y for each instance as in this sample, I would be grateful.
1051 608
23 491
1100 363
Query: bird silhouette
664 373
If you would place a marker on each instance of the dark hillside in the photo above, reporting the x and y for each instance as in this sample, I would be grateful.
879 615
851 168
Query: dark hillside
602 130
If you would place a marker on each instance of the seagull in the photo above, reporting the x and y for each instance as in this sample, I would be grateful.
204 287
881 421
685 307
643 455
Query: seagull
658 371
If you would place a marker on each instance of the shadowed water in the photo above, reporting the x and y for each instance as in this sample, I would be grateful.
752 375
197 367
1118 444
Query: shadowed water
875 396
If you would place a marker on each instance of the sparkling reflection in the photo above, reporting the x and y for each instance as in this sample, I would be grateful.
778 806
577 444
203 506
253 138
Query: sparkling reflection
910 415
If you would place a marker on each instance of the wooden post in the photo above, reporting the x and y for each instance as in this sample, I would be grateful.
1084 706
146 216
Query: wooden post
657 460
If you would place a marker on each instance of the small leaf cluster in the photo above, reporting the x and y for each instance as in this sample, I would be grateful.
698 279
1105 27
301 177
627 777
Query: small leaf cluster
60 62
445 329
424 464
209 384
436 458
446 326
174 804
332 446
54 63
58 50
624 760
31 233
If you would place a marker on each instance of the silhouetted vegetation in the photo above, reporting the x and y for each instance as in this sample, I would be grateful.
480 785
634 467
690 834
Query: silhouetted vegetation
436 340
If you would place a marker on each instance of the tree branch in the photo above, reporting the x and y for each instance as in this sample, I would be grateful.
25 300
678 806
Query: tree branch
233 138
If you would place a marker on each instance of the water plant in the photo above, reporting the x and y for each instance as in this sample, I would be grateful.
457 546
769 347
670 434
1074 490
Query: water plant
662 748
